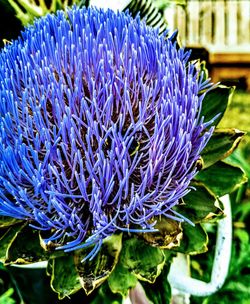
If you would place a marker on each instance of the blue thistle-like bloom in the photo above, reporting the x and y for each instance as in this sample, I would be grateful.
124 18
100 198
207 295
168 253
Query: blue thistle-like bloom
100 126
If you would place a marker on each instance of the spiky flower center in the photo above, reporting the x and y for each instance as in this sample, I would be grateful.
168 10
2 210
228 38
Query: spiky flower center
99 127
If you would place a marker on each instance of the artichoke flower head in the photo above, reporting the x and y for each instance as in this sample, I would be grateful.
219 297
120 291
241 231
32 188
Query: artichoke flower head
100 126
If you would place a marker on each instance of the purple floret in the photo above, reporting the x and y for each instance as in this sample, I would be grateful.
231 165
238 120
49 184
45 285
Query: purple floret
100 126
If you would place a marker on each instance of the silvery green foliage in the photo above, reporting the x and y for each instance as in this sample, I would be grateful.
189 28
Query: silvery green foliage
27 10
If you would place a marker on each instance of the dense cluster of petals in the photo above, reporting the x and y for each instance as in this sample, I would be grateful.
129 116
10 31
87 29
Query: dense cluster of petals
100 126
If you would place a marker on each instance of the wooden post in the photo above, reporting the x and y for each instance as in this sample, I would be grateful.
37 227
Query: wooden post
206 23
181 23
244 22
169 15
193 24
231 22
219 23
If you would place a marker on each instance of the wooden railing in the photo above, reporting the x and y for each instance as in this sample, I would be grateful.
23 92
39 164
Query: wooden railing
222 27
212 23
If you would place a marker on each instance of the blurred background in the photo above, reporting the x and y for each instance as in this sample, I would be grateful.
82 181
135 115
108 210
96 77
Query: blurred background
218 32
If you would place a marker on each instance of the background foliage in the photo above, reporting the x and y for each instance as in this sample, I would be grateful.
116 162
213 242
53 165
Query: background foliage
237 286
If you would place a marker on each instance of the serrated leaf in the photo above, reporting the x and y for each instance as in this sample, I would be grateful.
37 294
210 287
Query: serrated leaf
168 236
194 240
25 248
160 291
216 101
146 9
64 280
141 259
200 205
222 178
93 273
6 240
222 143
121 280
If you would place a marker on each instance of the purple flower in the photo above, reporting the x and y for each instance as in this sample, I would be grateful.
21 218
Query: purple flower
100 126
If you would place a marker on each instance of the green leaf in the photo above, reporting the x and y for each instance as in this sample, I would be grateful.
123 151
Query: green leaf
6 240
194 240
64 279
160 291
138 260
203 71
243 236
216 101
6 298
27 10
168 236
93 273
200 205
240 158
6 221
144 261
239 286
222 178
145 9
106 296
121 280
222 143
49 269
26 248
